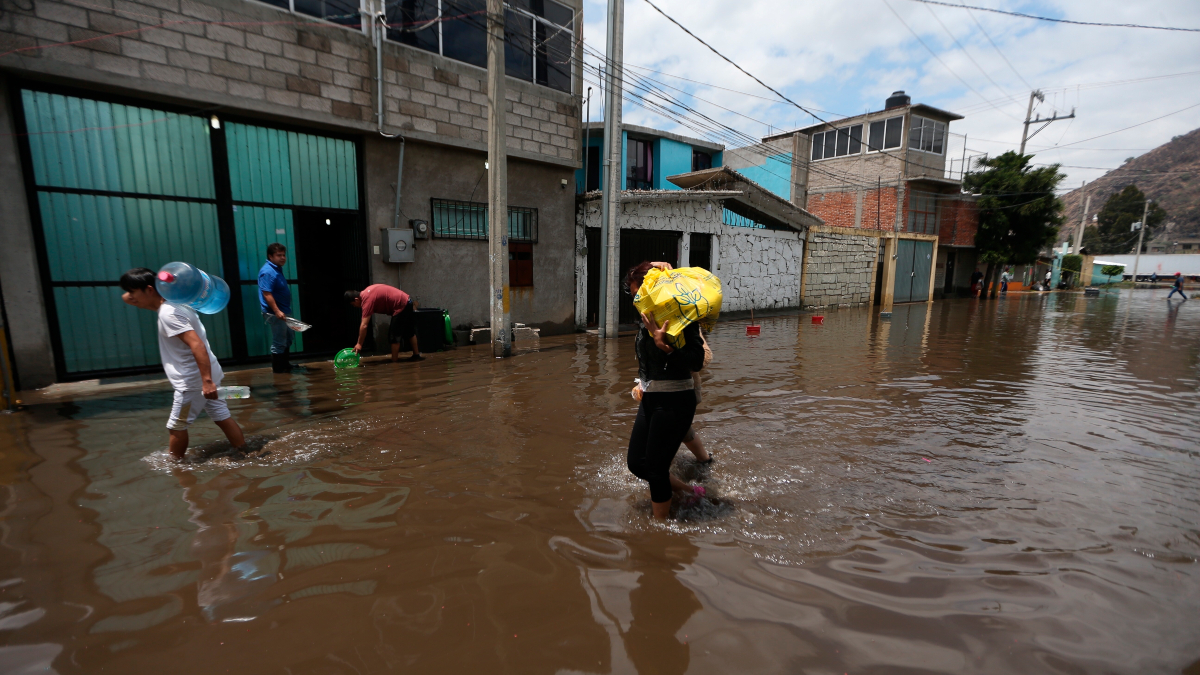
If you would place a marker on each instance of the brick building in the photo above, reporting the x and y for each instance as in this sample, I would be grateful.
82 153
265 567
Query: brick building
883 176
135 132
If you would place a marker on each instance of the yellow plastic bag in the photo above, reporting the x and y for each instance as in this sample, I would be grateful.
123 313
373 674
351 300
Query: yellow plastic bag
682 296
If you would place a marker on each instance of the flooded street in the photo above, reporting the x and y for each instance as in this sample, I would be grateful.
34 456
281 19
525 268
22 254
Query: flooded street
997 487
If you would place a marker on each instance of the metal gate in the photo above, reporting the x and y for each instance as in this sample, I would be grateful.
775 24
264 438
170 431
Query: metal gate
115 185
913 262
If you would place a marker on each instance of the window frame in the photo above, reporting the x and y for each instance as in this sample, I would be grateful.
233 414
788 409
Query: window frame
648 156
478 229
538 53
884 147
931 211
936 126
846 133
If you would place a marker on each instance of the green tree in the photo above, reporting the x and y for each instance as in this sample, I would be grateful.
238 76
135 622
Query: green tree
1019 214
1112 233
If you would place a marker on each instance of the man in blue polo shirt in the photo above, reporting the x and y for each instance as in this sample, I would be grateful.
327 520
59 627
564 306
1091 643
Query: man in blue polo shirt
275 300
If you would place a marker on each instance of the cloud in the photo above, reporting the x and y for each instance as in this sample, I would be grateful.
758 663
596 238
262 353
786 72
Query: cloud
844 57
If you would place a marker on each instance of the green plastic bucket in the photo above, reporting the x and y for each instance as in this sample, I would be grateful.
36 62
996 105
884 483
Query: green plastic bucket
347 358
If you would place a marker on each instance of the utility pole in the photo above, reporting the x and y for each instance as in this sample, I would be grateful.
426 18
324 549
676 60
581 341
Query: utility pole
1141 233
611 199
1087 206
497 169
1025 135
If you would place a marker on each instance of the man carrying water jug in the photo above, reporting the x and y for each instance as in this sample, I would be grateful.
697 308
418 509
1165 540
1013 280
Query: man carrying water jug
188 361
275 301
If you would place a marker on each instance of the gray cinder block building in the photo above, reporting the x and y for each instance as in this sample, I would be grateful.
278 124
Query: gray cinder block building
136 132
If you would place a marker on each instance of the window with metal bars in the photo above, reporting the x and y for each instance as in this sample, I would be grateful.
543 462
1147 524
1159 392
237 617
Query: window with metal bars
454 219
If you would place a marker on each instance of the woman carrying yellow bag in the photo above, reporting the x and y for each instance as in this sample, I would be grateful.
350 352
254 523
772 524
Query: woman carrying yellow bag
668 399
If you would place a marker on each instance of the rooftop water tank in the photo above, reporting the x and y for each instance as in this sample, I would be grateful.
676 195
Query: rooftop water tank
897 99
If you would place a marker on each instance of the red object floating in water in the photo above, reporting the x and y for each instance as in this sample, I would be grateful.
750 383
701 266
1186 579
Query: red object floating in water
818 319
753 330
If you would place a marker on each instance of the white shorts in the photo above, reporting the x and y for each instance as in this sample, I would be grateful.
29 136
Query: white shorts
187 407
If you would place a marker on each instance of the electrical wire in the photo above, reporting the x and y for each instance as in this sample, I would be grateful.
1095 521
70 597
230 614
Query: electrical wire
997 48
1046 18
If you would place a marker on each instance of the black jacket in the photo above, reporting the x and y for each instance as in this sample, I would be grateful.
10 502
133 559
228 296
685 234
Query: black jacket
655 364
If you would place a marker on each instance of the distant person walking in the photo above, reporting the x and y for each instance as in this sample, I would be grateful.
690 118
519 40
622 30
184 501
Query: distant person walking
668 402
275 301
384 299
976 282
1153 278
1046 282
1177 287
188 361
1005 277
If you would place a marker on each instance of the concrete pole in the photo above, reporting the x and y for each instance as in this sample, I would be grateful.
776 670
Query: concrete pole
497 184
1141 233
1087 205
611 200
1028 112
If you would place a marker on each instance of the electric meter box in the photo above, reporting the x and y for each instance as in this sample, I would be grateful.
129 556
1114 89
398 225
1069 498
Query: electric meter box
400 247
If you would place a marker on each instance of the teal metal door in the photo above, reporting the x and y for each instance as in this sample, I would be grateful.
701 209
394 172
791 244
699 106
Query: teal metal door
922 263
913 262
902 292
116 186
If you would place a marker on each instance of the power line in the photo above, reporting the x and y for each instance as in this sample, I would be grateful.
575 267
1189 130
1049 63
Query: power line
1046 18
997 48
964 51
939 59
1194 105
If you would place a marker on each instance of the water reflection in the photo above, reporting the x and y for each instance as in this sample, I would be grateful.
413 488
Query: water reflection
975 486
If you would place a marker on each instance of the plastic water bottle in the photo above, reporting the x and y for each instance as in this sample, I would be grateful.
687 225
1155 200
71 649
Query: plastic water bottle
183 284
233 392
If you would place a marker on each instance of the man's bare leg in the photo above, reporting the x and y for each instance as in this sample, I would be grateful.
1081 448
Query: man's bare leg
416 349
395 352
695 446
178 444
233 432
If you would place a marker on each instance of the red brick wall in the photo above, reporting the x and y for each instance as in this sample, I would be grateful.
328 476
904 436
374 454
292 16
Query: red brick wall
837 208
960 220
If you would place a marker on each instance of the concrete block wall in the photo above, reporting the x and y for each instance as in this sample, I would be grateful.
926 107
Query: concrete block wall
840 269
251 56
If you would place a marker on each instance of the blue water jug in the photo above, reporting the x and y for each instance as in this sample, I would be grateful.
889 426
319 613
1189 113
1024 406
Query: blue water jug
182 284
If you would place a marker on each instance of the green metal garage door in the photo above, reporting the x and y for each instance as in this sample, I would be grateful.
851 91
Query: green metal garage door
913 261
117 186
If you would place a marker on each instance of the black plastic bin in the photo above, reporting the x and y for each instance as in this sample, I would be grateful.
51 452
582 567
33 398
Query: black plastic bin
431 329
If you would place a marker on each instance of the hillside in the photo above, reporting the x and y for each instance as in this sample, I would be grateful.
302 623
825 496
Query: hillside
1170 174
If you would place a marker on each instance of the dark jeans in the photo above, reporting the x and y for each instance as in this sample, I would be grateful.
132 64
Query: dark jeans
1174 291
663 420
281 335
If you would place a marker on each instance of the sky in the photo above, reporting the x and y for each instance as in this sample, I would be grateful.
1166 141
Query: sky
844 57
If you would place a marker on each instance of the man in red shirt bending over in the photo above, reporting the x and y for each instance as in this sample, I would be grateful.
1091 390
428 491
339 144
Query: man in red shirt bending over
384 299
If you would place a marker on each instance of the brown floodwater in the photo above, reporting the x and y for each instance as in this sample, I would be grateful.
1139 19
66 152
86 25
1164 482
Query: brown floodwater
996 487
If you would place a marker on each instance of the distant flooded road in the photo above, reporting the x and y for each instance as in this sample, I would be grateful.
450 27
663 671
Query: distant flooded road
995 487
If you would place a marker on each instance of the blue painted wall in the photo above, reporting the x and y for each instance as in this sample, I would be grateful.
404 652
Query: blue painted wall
671 157
774 174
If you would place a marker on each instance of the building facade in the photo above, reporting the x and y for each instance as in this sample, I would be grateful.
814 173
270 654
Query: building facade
140 132
882 175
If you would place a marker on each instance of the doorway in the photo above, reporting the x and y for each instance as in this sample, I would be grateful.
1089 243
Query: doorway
913 261
329 262
701 251
948 286
638 246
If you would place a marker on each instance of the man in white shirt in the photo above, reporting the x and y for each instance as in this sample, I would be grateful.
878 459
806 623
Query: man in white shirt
188 361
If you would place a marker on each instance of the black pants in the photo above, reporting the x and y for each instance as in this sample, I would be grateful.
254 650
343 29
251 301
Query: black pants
662 422
404 326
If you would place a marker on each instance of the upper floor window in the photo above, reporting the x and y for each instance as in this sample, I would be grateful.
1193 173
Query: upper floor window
885 134
837 142
639 165
927 135
701 160
539 35
344 12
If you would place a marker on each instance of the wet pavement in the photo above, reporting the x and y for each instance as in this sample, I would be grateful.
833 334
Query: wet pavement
996 487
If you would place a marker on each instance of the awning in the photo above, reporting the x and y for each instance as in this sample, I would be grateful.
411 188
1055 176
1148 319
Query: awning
748 199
